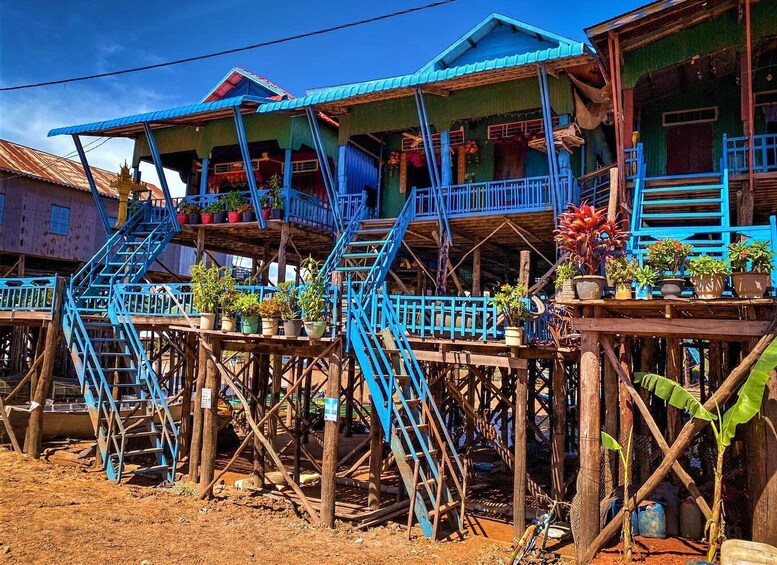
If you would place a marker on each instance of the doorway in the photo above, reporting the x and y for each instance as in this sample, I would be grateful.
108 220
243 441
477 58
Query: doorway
689 149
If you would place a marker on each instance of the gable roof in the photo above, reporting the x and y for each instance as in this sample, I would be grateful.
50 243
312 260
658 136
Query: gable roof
240 81
47 167
496 36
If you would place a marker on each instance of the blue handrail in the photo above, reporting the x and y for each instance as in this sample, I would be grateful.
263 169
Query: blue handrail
736 151
27 294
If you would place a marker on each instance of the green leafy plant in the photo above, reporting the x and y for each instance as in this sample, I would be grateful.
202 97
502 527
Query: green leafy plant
511 299
275 184
233 201
247 304
271 307
589 237
566 271
668 255
312 299
757 254
620 270
706 266
287 295
747 405
609 442
646 276
188 208
215 207
207 287
229 294
246 207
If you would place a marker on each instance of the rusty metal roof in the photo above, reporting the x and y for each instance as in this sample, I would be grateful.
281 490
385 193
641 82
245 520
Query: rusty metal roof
37 164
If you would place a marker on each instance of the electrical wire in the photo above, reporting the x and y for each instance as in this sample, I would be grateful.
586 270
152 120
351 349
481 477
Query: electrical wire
231 51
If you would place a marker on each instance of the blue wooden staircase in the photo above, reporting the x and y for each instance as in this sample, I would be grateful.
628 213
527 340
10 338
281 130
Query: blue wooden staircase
691 208
128 409
426 456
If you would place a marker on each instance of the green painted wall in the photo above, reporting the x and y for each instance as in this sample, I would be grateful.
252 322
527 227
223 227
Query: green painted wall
494 99
723 93
723 31
391 200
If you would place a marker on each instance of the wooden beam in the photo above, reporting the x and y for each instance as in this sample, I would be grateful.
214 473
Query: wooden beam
519 451
331 438
590 440
684 327
376 458
210 418
477 274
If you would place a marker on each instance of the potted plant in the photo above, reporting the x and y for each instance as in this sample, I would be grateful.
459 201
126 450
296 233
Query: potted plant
565 273
207 290
276 197
621 271
247 304
183 213
752 283
287 295
266 210
312 300
247 212
646 278
233 202
219 208
270 309
227 299
708 276
668 255
588 237
209 212
512 301
194 213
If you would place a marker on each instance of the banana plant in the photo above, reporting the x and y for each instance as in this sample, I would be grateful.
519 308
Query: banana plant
747 405
609 442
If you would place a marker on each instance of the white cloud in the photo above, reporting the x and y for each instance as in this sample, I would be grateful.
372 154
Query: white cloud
27 116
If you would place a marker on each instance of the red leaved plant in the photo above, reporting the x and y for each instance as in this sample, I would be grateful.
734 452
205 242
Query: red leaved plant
589 237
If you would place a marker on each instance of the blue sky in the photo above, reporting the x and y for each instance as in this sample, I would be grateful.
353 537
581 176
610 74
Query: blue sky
52 39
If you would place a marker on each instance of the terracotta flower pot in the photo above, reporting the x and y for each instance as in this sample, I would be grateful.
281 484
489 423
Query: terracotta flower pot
266 213
566 292
672 287
207 218
709 287
589 287
515 337
183 219
623 291
233 217
749 284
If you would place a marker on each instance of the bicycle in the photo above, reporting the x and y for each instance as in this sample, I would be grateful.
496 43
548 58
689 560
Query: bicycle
528 542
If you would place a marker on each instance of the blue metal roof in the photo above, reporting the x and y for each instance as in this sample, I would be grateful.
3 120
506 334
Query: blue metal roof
159 115
422 77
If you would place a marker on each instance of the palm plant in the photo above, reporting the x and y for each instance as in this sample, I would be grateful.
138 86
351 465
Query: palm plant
724 426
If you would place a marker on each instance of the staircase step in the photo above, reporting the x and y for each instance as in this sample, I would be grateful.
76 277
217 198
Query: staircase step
354 269
373 230
423 428
693 188
421 455
151 470
681 216
682 202
411 402
144 433
145 451
366 242
366 255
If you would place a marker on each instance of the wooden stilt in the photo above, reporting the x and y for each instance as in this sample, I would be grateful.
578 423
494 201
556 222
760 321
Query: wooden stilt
282 252
195 451
35 423
275 397
259 388
558 448
186 400
331 439
590 440
210 420
674 372
610 426
761 438
376 458
476 273
349 388
625 401
519 451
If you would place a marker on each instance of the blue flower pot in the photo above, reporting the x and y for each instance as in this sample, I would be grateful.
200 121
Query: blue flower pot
249 324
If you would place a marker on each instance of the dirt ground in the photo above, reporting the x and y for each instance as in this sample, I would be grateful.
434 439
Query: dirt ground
53 514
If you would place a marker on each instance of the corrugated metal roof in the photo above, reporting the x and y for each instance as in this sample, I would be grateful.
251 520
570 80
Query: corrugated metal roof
423 77
159 115
33 163
238 74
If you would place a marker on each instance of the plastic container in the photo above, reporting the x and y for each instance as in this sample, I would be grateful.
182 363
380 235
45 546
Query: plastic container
691 519
652 520
741 552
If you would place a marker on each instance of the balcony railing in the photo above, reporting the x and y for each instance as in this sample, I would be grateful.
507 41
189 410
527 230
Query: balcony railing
349 204
531 194
307 210
27 294
735 156
448 317
156 300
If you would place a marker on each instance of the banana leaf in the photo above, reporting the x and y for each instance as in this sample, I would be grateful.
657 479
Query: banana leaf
674 394
751 394
609 442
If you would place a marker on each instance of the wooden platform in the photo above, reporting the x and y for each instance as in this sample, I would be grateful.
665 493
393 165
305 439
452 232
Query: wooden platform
24 318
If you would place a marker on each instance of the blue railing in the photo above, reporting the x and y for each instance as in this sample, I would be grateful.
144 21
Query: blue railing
28 294
350 203
764 153
595 187
157 299
448 317
634 162
307 210
529 194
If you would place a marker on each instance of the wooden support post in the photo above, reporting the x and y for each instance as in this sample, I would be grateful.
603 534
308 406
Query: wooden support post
476 273
282 252
199 251
35 422
275 397
469 425
376 458
195 451
210 419
674 372
761 440
519 450
259 388
590 440
524 267
349 387
610 426
612 203
557 447
190 368
331 438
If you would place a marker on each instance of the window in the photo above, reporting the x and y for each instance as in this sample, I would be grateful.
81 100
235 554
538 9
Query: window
414 143
511 129
693 116
2 207
60 220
